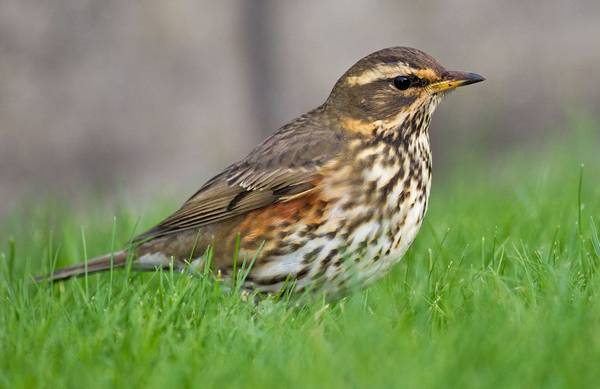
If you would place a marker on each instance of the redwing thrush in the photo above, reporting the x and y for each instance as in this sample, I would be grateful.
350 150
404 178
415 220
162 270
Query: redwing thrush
332 199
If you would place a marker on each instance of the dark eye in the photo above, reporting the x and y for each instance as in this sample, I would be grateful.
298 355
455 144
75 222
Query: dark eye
402 83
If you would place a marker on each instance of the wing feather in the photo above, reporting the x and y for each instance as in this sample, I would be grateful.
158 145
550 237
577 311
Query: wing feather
286 165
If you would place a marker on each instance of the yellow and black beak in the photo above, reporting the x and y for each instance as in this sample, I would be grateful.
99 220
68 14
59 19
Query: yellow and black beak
454 79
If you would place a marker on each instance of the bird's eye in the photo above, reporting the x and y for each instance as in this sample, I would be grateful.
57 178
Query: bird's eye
402 83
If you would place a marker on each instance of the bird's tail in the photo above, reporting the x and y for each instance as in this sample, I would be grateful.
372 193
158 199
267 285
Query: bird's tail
115 260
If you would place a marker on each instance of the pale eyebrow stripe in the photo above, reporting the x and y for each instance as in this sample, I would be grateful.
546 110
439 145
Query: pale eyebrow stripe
387 71
380 72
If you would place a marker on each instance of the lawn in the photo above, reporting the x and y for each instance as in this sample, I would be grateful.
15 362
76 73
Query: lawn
500 289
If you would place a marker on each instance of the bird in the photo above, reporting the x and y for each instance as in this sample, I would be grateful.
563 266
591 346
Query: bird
328 203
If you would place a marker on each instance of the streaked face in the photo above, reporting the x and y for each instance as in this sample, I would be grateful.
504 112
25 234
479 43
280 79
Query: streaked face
384 86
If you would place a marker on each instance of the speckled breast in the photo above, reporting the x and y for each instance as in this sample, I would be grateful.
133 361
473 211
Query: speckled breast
369 212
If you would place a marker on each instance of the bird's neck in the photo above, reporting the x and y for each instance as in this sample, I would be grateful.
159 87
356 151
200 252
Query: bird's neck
396 154
408 124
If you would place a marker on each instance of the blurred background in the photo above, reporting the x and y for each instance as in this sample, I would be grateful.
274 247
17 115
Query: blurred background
148 99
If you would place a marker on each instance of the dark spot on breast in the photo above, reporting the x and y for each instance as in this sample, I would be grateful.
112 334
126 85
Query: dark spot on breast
310 256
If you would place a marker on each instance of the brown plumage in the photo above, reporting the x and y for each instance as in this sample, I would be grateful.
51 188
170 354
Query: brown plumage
332 199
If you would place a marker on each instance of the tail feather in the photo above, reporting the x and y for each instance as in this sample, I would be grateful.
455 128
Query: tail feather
94 265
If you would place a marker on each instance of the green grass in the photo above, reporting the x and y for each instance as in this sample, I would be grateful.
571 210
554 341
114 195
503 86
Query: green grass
500 289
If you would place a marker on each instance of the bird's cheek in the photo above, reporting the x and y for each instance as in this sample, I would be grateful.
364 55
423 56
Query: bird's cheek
393 107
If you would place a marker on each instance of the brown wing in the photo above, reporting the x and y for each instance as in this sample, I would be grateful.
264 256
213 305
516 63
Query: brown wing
286 165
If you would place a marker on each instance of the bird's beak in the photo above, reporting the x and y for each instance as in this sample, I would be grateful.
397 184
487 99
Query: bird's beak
454 79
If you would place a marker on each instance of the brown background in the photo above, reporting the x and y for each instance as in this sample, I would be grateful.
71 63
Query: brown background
149 98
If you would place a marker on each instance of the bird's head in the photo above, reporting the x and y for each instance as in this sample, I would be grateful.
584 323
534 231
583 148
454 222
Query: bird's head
385 88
